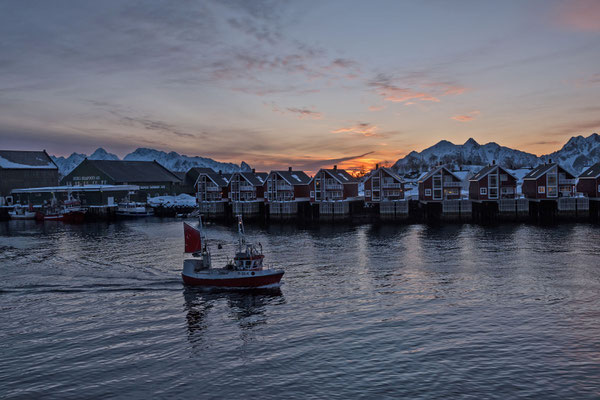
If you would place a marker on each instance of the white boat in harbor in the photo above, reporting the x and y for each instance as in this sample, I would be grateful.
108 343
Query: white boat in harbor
21 212
134 209
246 270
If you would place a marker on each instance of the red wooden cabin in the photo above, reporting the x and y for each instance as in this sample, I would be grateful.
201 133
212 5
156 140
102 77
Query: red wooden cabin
286 186
589 182
548 181
383 184
246 186
439 184
492 183
332 184
210 185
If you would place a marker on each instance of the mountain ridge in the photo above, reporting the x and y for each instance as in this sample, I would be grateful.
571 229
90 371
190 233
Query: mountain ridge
578 153
173 161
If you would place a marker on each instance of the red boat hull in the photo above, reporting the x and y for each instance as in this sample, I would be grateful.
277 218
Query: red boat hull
246 282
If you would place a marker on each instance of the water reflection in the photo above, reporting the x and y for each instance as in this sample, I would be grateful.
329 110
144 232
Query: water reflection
247 307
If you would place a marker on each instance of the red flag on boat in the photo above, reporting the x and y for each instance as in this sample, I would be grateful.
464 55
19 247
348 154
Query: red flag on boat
193 239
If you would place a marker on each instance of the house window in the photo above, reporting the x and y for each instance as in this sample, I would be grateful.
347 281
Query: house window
312 194
541 189
428 192
483 191
368 193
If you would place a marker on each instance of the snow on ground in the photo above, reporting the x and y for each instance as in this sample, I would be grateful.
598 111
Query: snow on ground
183 200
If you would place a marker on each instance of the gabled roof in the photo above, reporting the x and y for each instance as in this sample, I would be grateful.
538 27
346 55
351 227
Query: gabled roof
435 171
591 172
340 175
14 159
253 178
134 171
387 170
217 179
486 170
293 177
181 175
262 176
193 173
541 170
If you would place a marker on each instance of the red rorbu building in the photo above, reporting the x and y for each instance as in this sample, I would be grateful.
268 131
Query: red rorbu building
246 186
589 182
332 184
286 186
383 184
439 184
492 183
210 185
548 181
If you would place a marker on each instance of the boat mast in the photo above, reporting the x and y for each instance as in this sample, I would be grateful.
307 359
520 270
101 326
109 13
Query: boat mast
202 235
241 234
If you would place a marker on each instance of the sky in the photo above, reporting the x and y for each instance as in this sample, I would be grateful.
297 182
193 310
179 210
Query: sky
303 83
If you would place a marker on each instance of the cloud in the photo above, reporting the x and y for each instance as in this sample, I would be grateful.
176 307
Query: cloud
466 117
126 117
386 87
376 108
578 15
306 113
299 112
363 128
307 164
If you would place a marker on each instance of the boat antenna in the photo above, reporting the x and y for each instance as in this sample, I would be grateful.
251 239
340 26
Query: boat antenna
241 234
202 235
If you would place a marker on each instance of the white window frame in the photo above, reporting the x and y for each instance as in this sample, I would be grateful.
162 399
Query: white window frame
428 192
312 193
541 189
483 191
368 193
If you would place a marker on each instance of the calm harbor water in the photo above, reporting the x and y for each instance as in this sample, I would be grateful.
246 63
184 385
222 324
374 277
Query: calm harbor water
457 311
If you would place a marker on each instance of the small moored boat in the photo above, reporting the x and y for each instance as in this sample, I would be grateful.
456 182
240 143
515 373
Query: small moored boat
21 212
246 270
134 210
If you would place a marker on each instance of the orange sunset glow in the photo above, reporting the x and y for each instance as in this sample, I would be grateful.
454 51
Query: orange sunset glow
285 84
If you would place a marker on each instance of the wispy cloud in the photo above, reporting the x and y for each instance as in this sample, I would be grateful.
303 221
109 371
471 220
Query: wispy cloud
298 112
470 116
579 15
376 108
386 87
126 117
363 128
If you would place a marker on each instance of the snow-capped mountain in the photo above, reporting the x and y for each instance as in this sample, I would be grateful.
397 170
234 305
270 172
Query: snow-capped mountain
470 153
172 161
578 153
66 165
179 162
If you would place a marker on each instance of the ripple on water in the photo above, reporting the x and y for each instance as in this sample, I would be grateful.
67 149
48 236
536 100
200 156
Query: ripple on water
365 311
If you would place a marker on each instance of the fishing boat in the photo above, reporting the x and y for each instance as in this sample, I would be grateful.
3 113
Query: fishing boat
246 270
21 212
70 212
134 209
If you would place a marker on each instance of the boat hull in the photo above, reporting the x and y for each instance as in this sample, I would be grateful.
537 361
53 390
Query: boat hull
234 279
25 215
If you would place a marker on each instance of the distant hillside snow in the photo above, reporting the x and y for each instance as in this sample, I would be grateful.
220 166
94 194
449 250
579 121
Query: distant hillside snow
172 161
578 153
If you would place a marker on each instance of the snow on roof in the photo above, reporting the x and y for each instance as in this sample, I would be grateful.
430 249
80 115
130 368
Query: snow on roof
592 172
83 188
11 159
